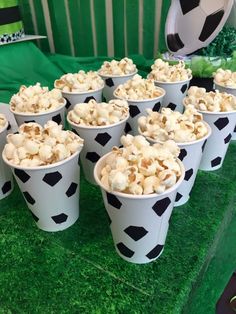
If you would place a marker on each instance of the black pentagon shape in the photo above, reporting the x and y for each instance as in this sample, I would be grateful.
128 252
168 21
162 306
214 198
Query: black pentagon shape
221 123
103 138
52 178
109 82
29 198
235 129
29 121
215 162
124 250
182 154
228 138
60 218
188 174
174 42
160 206
211 23
8 127
157 106
178 197
22 175
127 128
188 6
203 145
78 163
113 201
57 118
172 106
68 103
136 233
183 88
34 216
87 99
73 130
155 252
72 189
92 156
133 110
6 187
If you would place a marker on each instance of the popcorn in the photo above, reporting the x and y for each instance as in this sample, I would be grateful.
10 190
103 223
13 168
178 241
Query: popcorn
3 121
119 68
140 168
79 82
138 89
38 146
172 125
210 101
36 99
98 114
225 78
164 72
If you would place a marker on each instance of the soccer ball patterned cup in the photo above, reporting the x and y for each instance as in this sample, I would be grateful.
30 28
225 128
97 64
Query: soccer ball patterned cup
175 93
112 82
57 115
51 192
98 140
139 223
137 108
222 125
190 155
73 98
6 179
228 90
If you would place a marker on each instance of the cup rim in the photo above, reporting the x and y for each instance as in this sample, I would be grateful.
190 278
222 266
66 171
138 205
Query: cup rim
183 143
143 100
211 112
172 83
96 127
38 114
117 76
50 166
133 196
81 93
228 87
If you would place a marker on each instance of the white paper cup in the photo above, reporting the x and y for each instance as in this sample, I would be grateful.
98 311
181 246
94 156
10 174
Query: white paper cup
232 91
139 223
51 192
137 108
222 125
98 140
190 155
6 179
74 98
111 82
57 115
175 93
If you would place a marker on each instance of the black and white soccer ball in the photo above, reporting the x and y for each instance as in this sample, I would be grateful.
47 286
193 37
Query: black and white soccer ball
191 25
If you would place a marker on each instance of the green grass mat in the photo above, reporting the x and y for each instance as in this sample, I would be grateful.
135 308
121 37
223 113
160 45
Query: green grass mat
78 270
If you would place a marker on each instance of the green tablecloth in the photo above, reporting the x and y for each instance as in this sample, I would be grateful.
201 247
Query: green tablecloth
78 270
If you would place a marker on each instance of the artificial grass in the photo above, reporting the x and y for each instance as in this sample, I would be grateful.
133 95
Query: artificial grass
78 270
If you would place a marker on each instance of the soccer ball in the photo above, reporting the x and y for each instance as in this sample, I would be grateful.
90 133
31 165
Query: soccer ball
193 24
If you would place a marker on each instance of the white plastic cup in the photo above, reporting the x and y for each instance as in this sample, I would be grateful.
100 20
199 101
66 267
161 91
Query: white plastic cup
111 82
228 90
139 223
6 179
51 192
98 140
73 98
190 155
137 108
222 125
57 115
175 93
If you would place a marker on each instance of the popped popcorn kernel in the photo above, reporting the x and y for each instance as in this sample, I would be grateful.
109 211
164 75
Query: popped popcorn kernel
118 68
